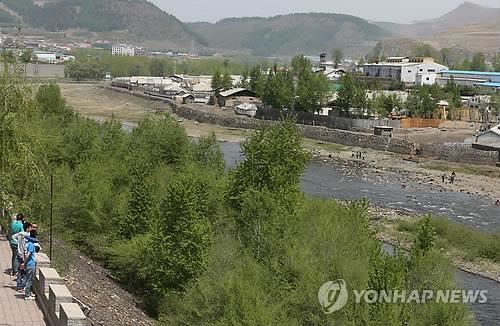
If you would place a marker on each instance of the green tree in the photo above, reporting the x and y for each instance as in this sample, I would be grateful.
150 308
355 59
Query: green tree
157 68
74 70
255 74
311 90
27 56
426 237
494 104
277 88
346 94
208 154
495 62
159 140
178 249
50 100
421 103
217 81
139 218
245 81
227 81
479 62
337 57
275 161
386 104
137 69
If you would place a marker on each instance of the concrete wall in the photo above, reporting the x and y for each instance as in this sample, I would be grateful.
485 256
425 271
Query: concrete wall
370 123
54 298
342 137
39 70
460 154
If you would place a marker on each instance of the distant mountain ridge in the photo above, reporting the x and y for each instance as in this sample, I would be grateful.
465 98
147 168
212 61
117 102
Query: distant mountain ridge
139 18
308 33
469 26
466 14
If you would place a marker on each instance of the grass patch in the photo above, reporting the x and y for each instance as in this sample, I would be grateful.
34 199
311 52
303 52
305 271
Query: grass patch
452 236
331 147
489 171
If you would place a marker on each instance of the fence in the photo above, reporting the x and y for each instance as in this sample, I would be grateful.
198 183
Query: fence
407 123
40 70
331 121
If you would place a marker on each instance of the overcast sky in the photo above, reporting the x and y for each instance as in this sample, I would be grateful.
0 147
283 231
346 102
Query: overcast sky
401 11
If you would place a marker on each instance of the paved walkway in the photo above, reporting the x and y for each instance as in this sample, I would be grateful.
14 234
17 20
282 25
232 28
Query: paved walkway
14 311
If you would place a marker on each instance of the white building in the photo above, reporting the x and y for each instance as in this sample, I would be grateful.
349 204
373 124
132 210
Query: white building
122 49
45 57
411 71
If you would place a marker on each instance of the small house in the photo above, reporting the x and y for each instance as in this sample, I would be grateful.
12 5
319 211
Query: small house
489 141
202 93
236 96
489 138
383 131
184 98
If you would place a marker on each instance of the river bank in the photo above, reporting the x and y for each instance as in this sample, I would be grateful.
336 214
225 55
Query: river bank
106 104
385 224
95 101
378 162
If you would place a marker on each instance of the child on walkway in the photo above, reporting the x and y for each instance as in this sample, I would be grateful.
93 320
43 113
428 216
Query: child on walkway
29 266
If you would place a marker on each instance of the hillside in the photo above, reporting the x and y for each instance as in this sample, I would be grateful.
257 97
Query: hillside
290 34
464 15
139 19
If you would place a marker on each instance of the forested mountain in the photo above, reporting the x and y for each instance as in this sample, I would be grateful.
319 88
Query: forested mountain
140 18
288 34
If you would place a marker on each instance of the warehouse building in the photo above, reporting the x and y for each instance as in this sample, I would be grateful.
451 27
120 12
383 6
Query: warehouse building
411 71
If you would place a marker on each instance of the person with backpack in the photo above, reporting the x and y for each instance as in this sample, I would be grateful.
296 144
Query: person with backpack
22 239
15 227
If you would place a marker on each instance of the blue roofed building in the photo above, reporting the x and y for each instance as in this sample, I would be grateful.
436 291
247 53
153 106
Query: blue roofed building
470 78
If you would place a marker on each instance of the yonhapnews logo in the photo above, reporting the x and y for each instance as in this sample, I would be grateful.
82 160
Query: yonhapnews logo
333 296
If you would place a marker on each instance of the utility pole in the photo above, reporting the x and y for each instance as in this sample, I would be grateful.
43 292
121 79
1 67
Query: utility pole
51 214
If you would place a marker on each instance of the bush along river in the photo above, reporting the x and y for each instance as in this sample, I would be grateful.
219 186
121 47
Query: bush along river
327 181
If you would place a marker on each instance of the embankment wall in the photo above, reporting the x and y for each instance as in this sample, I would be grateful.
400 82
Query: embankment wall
459 154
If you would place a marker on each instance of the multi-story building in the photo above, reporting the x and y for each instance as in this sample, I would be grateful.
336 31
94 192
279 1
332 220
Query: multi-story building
411 71
122 49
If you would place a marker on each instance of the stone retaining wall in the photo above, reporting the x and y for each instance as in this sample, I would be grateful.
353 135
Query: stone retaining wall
347 138
460 154
56 301
336 136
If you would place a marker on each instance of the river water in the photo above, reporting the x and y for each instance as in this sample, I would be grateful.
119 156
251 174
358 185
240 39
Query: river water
324 180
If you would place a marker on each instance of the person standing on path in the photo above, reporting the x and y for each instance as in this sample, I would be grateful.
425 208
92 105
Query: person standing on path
15 227
29 266
22 241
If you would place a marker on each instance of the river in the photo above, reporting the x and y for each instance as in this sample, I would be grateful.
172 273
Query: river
324 180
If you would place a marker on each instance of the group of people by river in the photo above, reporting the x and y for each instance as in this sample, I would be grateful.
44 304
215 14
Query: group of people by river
22 236
451 178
